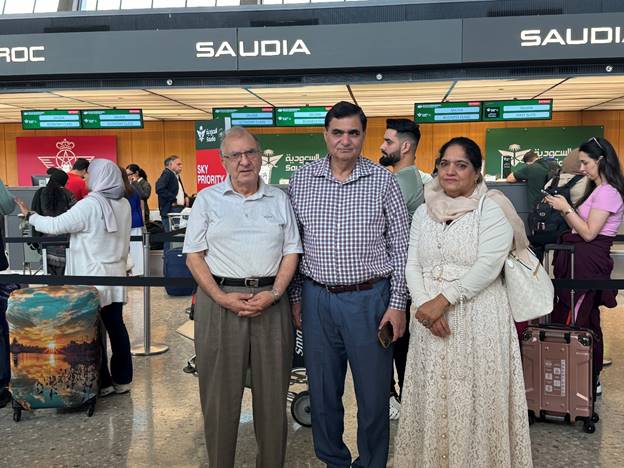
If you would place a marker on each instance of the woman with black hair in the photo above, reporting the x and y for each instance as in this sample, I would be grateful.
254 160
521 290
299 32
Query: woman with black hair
594 221
52 200
138 179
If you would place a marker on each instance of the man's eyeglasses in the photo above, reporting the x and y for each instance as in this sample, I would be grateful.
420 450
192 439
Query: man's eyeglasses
252 153
595 140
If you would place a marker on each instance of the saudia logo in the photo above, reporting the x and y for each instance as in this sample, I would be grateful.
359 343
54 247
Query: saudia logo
22 54
570 36
265 48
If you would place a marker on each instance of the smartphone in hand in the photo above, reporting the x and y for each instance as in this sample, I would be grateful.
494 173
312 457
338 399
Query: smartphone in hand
385 335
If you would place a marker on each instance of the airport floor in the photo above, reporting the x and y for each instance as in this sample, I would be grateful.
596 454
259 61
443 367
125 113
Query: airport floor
159 423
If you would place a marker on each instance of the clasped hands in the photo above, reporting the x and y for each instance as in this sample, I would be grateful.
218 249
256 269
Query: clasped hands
246 305
431 316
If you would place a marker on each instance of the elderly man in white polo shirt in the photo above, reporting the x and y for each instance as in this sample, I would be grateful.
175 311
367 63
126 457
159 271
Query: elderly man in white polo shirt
242 246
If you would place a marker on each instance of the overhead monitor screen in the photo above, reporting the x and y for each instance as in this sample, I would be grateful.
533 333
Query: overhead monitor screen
444 112
112 118
530 109
246 116
307 116
50 119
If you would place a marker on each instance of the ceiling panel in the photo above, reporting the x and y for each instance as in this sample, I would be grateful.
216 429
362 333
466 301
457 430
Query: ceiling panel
482 90
599 87
322 95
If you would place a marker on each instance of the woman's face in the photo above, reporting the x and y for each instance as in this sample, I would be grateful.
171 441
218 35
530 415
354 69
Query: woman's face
589 166
456 173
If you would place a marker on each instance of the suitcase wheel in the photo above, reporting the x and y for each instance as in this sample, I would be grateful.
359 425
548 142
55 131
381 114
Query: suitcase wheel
300 409
531 418
595 418
17 414
589 427
91 410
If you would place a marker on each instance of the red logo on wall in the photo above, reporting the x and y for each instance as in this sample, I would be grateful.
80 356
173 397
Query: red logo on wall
35 155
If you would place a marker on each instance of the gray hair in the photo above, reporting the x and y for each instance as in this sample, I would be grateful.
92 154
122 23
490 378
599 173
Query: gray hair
238 132
170 159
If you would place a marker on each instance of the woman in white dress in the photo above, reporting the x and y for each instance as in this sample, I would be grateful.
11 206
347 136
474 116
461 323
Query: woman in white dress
463 401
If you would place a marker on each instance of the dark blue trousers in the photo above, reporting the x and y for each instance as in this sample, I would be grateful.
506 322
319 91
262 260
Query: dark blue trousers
5 363
341 328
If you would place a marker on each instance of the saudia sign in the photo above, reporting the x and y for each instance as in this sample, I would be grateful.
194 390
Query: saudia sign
572 36
264 48
22 54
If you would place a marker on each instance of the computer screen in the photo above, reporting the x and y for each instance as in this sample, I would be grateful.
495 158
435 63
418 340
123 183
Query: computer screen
39 180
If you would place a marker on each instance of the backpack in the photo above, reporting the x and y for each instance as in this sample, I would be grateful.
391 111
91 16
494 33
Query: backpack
545 223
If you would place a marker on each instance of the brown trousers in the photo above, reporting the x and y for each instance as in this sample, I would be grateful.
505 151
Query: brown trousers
226 346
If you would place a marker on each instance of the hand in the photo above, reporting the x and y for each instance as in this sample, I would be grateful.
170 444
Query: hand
295 310
235 302
558 202
440 328
187 201
21 205
257 304
397 318
432 310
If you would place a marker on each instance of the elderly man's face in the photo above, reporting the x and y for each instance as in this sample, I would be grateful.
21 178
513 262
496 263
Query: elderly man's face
344 138
176 166
241 159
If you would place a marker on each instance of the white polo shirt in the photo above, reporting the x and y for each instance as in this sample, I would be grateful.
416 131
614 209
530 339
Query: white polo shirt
242 236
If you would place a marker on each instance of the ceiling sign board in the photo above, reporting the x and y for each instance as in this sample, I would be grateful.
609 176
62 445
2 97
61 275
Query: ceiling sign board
112 118
532 109
50 119
447 112
246 116
308 116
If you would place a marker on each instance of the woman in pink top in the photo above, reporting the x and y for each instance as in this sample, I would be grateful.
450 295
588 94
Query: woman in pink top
594 221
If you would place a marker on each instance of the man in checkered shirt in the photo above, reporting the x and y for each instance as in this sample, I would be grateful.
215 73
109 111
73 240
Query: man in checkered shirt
351 281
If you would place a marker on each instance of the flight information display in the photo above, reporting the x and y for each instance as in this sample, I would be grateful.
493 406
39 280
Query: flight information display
112 118
445 112
246 116
530 109
307 116
50 119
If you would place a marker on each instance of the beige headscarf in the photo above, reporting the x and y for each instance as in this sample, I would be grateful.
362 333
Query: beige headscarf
443 208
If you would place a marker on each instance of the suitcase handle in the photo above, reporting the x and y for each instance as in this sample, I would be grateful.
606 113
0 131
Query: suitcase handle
563 247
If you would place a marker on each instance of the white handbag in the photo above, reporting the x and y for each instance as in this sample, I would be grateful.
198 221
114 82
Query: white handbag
530 290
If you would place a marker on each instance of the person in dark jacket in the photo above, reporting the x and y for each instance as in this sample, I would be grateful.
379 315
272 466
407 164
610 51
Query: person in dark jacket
138 179
52 200
7 205
171 195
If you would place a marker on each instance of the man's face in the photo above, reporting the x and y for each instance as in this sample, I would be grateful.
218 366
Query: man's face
344 138
176 166
241 159
390 149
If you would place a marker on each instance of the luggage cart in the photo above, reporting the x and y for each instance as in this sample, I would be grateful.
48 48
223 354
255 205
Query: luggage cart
177 221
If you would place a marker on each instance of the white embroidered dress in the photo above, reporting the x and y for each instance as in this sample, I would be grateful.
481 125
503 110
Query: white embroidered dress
463 402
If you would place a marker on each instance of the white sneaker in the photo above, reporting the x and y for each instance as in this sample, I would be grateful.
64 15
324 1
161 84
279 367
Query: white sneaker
121 388
395 408
107 391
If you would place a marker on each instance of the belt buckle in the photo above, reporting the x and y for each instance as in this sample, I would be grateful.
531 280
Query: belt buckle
252 282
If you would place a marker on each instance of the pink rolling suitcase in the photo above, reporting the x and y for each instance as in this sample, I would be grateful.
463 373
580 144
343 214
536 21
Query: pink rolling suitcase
557 364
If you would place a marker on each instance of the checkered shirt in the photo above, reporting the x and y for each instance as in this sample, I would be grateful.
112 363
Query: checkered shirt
352 231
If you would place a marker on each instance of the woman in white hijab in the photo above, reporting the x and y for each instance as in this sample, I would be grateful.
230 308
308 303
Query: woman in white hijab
99 228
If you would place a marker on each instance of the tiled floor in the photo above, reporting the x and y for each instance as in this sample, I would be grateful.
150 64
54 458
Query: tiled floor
159 423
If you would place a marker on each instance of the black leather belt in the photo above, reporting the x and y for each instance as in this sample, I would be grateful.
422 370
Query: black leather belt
246 282
340 288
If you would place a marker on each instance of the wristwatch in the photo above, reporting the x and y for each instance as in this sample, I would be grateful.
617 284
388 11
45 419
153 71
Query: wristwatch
276 295
568 211
28 215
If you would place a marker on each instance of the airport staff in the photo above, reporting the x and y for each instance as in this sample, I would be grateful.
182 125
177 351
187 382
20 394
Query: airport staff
354 228
242 246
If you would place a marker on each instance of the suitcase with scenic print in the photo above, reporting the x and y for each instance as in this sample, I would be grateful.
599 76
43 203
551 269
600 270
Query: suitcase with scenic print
557 364
55 348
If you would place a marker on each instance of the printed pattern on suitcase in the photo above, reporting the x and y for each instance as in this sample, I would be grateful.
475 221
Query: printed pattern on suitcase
557 366
55 352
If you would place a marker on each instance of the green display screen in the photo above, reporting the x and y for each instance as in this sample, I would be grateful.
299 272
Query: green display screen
246 116
447 112
530 109
50 119
112 118
307 116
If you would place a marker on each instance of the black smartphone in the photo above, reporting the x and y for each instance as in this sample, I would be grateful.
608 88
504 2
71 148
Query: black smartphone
385 335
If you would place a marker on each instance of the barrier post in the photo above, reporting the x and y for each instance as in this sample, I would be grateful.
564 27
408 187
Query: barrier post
147 348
